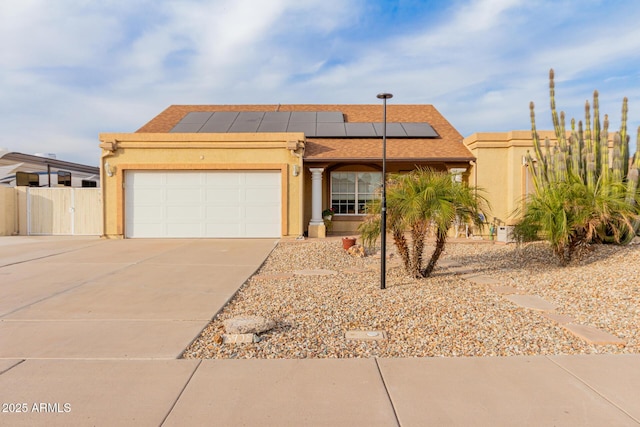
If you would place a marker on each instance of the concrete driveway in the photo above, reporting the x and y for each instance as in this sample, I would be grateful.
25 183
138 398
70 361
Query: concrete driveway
116 299
90 331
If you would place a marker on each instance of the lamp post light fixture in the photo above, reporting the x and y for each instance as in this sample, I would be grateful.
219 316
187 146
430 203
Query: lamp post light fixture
383 209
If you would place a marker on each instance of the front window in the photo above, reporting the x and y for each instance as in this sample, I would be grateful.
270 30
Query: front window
350 191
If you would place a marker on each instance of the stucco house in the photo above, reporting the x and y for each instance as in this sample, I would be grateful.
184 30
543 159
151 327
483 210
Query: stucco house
502 171
264 170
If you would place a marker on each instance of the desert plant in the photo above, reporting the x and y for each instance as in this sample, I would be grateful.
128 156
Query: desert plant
421 200
596 179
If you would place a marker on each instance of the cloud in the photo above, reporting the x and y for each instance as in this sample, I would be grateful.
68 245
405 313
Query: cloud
75 68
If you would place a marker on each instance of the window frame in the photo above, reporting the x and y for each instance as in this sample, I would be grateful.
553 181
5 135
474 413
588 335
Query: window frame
356 193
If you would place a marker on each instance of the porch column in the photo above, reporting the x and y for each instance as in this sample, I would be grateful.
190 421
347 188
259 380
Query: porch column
316 225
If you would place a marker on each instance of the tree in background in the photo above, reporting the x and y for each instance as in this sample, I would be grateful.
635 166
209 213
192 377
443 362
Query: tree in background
585 191
418 202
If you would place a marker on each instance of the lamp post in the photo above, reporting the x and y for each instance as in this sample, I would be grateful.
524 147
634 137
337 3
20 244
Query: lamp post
383 210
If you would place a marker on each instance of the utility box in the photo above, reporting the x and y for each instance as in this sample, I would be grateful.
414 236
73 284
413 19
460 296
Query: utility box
505 234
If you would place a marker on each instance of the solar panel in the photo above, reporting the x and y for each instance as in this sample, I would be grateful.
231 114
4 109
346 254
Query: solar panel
323 124
309 129
330 117
277 116
220 122
423 130
303 117
196 117
186 128
360 130
273 126
330 129
247 121
394 130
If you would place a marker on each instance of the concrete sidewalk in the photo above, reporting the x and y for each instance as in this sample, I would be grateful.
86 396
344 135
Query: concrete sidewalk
90 331
515 391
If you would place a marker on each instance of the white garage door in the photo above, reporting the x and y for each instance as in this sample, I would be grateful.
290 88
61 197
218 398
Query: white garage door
203 204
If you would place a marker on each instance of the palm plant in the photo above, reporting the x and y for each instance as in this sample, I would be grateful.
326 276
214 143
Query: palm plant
421 200
570 215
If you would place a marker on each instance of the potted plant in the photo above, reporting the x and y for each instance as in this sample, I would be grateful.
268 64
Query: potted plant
327 217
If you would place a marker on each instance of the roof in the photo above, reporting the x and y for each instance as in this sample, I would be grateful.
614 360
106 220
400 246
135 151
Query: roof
447 147
10 158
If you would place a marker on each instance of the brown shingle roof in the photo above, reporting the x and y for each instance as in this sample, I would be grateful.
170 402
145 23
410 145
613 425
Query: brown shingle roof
448 147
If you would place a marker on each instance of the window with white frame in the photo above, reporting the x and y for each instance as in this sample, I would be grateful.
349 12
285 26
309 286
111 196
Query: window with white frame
350 191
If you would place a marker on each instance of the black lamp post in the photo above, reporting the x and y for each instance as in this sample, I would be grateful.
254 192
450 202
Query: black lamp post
383 210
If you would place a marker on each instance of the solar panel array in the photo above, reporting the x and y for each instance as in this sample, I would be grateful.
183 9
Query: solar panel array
320 124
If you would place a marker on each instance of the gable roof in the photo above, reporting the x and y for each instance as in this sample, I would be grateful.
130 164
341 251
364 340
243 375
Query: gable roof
448 146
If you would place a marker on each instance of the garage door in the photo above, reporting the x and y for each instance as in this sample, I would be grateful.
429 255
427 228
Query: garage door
203 204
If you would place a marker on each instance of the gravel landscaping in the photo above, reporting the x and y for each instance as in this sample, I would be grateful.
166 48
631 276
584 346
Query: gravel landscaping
445 315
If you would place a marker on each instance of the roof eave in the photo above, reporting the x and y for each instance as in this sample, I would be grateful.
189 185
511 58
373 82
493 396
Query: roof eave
392 160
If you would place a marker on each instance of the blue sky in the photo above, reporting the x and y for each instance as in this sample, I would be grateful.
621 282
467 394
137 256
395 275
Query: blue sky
70 69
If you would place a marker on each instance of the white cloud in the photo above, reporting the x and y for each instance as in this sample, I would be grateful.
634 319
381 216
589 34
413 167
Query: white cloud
74 68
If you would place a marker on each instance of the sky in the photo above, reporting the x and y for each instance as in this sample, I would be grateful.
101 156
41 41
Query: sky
72 69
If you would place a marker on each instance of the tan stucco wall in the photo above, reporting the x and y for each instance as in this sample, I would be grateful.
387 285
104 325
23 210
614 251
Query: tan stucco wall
201 151
8 211
500 169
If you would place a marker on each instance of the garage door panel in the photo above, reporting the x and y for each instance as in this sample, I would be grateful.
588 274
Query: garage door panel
261 180
203 204
258 197
150 179
256 230
149 197
183 179
149 213
223 179
223 230
184 195
231 212
182 213
222 197
184 230
263 216
148 229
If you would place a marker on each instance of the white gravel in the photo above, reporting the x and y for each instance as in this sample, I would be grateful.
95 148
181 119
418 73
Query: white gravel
444 315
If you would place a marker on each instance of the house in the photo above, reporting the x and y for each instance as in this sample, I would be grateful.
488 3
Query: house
264 170
506 186
42 195
44 170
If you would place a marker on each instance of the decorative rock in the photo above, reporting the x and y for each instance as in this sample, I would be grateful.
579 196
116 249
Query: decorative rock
356 250
248 325
442 316
240 338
